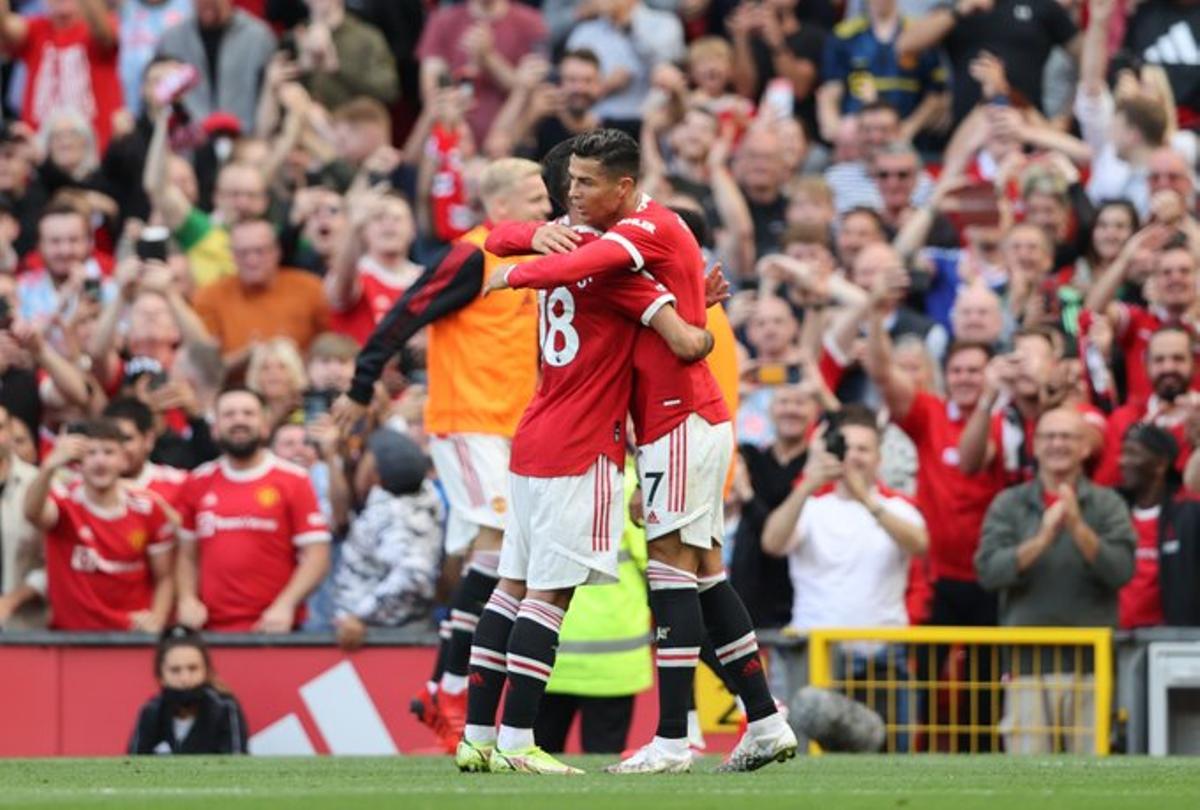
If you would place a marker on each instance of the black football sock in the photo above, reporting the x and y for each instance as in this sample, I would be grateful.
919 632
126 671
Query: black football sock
488 668
472 594
708 655
530 660
439 663
678 634
732 635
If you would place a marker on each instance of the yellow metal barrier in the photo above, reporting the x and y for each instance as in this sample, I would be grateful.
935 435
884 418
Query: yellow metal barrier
943 689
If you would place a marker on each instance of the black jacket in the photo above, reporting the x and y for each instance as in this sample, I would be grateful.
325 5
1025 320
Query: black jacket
220 728
1179 560
764 582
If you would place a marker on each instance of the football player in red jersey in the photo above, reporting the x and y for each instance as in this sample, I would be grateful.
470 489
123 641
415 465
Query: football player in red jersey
108 546
685 444
255 543
568 449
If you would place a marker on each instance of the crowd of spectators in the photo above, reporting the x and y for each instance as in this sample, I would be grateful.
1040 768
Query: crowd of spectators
961 239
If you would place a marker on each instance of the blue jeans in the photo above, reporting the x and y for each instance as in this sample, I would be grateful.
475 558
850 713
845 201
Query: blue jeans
320 604
889 663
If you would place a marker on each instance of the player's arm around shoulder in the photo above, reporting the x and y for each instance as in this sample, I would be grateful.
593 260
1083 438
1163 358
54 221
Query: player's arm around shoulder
688 343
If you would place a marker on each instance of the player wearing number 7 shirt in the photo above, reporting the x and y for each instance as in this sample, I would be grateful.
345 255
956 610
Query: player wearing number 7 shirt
685 443
567 495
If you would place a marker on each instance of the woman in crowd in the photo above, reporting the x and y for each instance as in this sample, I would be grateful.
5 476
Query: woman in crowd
192 713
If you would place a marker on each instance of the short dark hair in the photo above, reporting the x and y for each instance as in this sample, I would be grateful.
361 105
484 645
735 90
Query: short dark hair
1176 241
102 429
61 208
958 346
132 409
1049 335
1147 117
616 151
858 416
554 171
879 105
581 55
866 211
282 426
155 61
695 223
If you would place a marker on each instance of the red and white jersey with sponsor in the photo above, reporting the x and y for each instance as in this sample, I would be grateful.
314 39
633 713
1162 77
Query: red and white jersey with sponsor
167 482
248 525
97 558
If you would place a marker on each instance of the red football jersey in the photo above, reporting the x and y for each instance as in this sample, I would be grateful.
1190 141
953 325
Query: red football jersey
164 481
586 334
248 524
666 389
1134 327
379 289
952 502
69 70
96 559
1139 602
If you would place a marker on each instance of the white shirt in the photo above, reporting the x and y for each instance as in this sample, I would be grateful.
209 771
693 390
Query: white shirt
1112 177
846 570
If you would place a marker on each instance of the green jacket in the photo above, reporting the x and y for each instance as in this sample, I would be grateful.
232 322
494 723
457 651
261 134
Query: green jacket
604 644
1061 588
365 67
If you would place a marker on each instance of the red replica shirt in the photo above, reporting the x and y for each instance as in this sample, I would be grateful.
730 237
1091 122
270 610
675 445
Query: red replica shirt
666 389
68 70
1139 602
248 524
1134 328
164 481
97 559
451 215
586 335
379 290
1108 472
952 502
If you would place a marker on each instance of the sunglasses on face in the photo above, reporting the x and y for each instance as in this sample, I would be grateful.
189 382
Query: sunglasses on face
899 174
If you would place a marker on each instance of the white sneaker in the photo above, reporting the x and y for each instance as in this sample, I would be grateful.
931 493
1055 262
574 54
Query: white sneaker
652 759
755 751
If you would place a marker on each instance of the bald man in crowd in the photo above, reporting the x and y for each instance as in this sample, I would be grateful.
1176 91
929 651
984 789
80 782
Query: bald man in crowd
1057 549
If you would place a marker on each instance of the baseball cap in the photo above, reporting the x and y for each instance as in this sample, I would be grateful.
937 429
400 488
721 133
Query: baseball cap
399 461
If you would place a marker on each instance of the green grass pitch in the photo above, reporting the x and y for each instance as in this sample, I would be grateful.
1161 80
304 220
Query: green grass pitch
416 783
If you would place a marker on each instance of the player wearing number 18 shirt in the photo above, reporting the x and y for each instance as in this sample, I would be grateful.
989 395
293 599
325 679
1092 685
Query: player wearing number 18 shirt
567 496
685 444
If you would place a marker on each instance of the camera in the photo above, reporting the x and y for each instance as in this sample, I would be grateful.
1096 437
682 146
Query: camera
152 246
835 441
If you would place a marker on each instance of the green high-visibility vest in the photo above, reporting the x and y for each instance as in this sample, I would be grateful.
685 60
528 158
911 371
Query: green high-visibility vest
604 644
